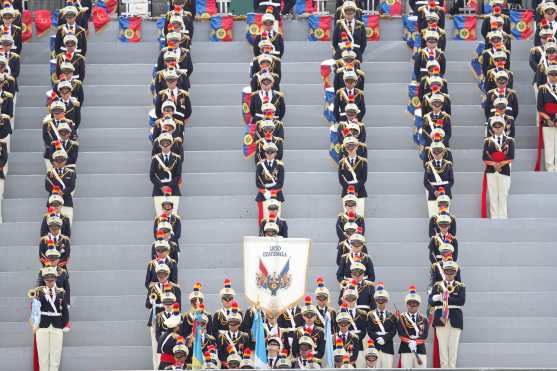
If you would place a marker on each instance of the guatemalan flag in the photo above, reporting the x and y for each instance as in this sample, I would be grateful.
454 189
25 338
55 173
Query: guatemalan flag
319 28
253 22
258 333
109 5
522 24
409 29
221 28
130 29
465 27
206 8
304 7
197 354
391 7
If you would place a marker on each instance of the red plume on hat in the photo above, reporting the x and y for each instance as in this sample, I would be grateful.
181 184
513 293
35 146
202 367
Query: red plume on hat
57 145
412 289
68 56
370 343
435 70
320 281
344 36
494 25
307 300
177 8
247 353
496 9
207 356
360 230
160 234
55 189
441 190
197 286
272 216
432 4
170 27
269 10
166 190
435 88
433 26
50 243
51 210
501 92
439 122
346 132
338 343
268 136
227 283
230 349
351 189
437 137
53 95
351 215
264 35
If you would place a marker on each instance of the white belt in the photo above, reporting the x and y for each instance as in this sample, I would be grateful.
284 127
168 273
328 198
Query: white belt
363 306
450 307
269 3
439 183
51 314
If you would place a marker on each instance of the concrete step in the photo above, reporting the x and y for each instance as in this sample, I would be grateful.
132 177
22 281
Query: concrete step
241 51
135 333
296 116
96 308
138 185
298 206
31 163
125 357
399 277
230 138
228 94
227 255
237 73
400 230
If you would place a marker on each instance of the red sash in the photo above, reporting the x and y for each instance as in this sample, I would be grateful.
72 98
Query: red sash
168 358
497 156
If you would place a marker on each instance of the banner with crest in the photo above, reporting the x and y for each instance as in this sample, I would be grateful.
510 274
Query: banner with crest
275 271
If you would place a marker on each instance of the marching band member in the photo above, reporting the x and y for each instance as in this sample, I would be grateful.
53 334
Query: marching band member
412 328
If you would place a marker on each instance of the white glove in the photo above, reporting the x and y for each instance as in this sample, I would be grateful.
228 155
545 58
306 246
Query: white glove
412 346
380 341
437 297
414 337
267 195
353 182
66 329
381 333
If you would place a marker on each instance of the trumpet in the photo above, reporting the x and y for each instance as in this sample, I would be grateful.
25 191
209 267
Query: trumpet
32 293
153 296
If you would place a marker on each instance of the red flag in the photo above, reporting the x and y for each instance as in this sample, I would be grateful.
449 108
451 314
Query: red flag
43 21
319 28
436 360
35 354
27 25
111 5
372 27
100 18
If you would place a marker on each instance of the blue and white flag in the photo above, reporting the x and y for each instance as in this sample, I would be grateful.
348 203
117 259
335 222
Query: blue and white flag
258 333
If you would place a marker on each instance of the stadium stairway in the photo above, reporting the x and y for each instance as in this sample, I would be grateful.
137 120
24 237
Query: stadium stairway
508 266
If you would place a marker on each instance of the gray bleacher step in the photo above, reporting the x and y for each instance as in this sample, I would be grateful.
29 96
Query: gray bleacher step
232 230
134 185
135 333
219 138
299 206
226 255
126 358
296 115
228 94
237 73
31 163
96 308
131 281
83 358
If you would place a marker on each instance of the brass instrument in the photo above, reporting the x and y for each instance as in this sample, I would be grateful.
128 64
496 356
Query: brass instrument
32 293
153 296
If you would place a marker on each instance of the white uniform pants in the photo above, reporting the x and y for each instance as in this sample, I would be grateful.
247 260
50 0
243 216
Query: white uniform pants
1 197
67 211
448 338
49 348
384 360
158 203
156 356
408 360
361 206
550 148
498 186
